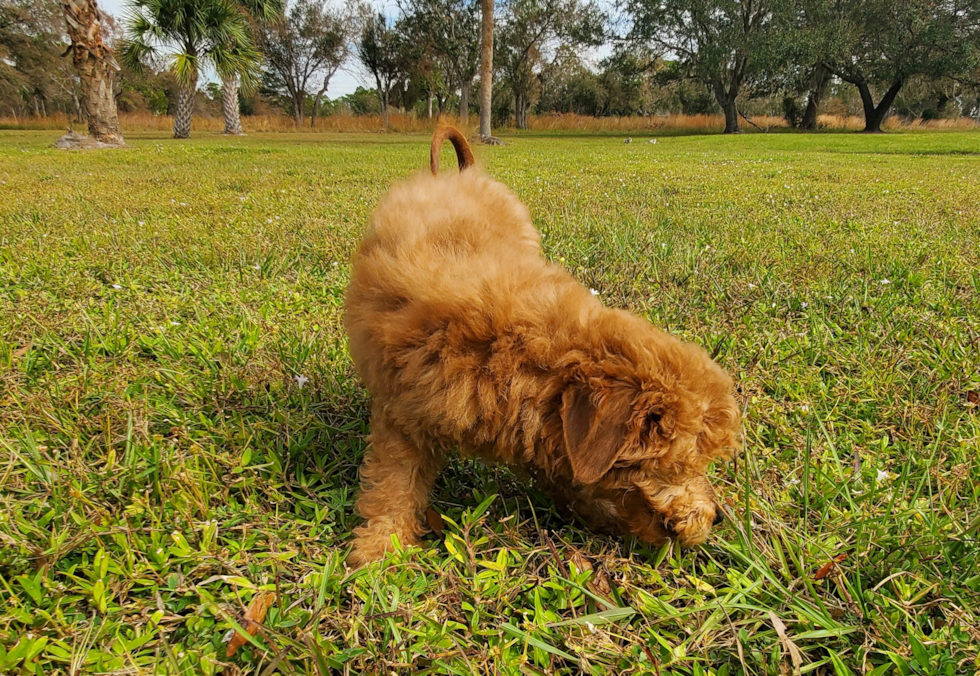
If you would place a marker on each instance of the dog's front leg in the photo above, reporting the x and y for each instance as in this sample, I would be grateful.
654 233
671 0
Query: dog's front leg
396 477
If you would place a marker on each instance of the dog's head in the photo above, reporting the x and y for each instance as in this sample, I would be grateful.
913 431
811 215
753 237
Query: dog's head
639 434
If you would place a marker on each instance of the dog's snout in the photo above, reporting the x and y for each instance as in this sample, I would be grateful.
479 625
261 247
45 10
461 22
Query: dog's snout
719 517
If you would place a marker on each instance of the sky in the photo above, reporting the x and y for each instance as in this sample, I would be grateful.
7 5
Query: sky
346 81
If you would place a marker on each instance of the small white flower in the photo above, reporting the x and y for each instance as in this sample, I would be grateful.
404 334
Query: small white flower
301 381
774 305
884 282
277 218
793 482
335 263
852 250
141 223
594 292
805 408
256 267
751 286
883 475
116 286
172 201
804 305
173 323
590 627
160 550
663 244
268 220
227 636
707 246
183 204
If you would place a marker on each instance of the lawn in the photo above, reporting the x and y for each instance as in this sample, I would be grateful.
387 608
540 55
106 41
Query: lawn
180 424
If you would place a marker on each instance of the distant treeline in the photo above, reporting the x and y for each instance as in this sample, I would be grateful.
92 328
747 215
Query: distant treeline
919 59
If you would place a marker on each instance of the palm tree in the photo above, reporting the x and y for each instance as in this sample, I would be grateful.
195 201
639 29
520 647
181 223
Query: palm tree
192 34
254 10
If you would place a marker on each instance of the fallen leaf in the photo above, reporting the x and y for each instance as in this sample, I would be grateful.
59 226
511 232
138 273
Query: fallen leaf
252 621
973 396
827 567
600 583
22 351
788 645
435 522
581 563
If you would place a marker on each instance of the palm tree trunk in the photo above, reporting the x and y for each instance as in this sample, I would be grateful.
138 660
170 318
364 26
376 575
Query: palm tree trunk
486 67
96 66
185 109
229 105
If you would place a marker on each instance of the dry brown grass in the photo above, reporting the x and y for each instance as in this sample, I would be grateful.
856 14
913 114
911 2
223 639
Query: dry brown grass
557 122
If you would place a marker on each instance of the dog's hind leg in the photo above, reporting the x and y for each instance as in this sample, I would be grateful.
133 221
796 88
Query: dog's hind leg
396 477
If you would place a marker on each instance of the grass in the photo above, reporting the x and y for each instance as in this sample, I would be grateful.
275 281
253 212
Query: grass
163 459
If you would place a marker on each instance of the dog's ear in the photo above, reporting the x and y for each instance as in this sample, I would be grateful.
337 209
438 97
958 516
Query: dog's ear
594 431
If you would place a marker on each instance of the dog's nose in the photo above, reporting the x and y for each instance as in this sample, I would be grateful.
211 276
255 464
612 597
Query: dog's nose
719 517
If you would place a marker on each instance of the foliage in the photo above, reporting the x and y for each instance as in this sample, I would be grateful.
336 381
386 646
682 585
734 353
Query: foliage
527 30
163 459
717 41
881 44
384 51
190 34
34 78
444 40
305 47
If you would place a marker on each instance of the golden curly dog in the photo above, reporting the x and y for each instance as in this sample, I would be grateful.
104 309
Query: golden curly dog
468 339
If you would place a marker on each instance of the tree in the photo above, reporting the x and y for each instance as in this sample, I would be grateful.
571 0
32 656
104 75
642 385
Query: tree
192 34
529 29
304 48
486 66
878 45
447 33
96 67
258 12
34 76
715 41
382 50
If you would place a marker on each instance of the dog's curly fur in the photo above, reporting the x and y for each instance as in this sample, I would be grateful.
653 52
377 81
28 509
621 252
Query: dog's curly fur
467 338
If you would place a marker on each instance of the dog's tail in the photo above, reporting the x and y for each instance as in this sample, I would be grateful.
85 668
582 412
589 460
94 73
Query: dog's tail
463 153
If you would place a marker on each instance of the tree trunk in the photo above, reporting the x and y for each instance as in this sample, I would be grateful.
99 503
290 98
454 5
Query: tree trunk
464 103
875 115
731 116
95 65
316 101
521 105
299 101
77 106
821 78
229 105
185 109
428 106
486 67
384 109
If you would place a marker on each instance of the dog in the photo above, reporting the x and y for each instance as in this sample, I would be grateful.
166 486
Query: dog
468 339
